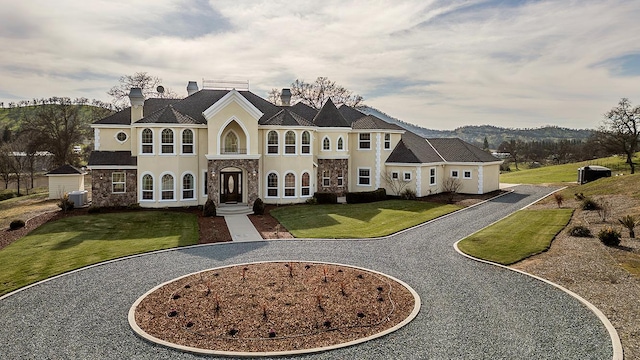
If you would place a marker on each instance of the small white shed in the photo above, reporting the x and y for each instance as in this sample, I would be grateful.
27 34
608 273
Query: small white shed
64 180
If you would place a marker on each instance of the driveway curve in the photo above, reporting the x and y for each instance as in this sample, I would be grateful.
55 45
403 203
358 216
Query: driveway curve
470 310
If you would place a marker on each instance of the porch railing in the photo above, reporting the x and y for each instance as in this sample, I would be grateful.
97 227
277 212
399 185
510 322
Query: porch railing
232 150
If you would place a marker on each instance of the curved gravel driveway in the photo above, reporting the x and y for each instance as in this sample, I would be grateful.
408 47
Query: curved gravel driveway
470 310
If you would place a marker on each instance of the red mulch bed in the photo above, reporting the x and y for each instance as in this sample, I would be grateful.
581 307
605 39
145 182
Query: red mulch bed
268 226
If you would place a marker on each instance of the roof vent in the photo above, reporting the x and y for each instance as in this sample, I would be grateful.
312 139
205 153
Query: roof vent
192 88
285 97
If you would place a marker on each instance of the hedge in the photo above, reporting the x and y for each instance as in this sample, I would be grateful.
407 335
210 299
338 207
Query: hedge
366 196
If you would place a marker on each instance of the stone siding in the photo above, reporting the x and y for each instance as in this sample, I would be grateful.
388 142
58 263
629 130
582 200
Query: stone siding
335 167
249 167
101 194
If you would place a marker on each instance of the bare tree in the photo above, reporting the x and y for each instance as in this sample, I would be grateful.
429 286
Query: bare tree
317 93
274 96
148 84
451 186
513 147
396 185
6 166
619 131
20 163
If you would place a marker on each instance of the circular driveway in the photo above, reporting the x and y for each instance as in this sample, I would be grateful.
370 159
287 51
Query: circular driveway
470 310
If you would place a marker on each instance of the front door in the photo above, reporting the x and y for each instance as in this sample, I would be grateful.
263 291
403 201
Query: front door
231 187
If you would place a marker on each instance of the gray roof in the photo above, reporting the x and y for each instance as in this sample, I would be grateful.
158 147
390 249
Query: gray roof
372 122
65 170
456 150
123 117
303 110
329 116
349 113
413 149
286 117
168 115
113 158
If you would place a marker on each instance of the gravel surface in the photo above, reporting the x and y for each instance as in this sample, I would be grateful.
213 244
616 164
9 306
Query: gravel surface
470 310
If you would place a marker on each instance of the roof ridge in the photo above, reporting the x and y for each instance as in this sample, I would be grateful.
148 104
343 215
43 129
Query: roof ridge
434 149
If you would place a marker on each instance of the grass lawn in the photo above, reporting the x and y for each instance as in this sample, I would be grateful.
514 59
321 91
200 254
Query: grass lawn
342 221
77 241
24 207
561 173
525 233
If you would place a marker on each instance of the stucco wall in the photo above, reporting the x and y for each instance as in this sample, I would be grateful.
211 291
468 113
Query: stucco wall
59 185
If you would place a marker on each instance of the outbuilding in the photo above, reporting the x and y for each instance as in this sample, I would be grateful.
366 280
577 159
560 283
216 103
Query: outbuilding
64 180
591 173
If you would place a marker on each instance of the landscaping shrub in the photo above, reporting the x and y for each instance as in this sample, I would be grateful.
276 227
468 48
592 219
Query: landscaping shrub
16 224
7 195
580 231
589 204
505 166
326 198
630 223
366 196
408 194
209 208
609 236
258 207
65 204
558 198
579 196
312 201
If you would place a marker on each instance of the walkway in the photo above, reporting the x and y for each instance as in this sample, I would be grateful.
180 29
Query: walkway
241 228
470 310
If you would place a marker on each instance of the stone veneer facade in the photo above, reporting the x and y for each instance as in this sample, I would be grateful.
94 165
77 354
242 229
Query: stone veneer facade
102 195
249 168
335 167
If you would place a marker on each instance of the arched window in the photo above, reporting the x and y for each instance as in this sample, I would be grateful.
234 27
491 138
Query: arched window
147 141
167 141
306 142
167 187
187 141
231 143
188 191
272 142
326 144
289 185
147 187
290 142
272 185
306 184
340 144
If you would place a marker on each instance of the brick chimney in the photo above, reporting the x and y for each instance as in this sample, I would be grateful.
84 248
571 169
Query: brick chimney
137 104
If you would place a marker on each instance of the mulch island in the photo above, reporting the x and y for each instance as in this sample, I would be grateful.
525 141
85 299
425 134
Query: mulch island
273 307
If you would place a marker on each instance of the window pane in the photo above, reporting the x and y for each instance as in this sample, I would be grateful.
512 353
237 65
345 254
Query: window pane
340 144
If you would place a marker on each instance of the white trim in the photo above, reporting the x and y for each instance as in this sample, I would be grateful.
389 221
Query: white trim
233 157
174 198
480 179
284 185
310 183
121 132
230 97
124 182
153 190
358 176
224 127
194 189
173 142
141 144
276 145
111 167
277 187
96 138
378 159
332 157
295 143
193 144
418 181
322 143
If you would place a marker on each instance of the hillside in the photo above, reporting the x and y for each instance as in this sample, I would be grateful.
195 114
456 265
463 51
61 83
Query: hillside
495 135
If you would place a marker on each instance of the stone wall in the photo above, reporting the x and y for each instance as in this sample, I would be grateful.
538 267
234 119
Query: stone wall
101 194
249 167
335 167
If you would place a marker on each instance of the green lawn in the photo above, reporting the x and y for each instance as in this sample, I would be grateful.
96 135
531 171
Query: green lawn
525 233
77 241
554 174
343 221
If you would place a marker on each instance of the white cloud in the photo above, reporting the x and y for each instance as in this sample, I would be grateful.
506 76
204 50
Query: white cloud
440 65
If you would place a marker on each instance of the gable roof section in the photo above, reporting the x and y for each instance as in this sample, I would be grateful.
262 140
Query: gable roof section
350 114
414 149
168 115
329 116
66 170
373 122
112 158
286 117
303 110
456 150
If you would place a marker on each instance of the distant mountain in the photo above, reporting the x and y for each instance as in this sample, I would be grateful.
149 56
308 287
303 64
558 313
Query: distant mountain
475 134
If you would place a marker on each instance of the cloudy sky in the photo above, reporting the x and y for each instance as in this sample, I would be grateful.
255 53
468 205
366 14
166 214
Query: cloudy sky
438 64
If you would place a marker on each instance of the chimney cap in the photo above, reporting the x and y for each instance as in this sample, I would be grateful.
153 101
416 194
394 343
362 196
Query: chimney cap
285 97
136 92
192 87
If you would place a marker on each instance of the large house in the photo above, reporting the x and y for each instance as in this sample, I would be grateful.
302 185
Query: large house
234 146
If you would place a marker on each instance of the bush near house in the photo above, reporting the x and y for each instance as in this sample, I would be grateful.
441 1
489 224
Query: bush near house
326 197
258 207
589 204
366 196
209 208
